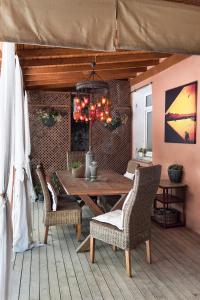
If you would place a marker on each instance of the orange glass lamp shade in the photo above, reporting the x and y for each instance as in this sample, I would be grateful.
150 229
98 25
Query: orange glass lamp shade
85 110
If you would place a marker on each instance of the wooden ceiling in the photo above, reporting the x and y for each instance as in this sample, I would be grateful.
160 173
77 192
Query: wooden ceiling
57 68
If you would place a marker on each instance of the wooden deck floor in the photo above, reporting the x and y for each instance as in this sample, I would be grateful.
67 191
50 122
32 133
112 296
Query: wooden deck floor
56 271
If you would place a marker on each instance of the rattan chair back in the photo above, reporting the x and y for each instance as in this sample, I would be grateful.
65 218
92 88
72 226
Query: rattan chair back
137 212
132 166
42 177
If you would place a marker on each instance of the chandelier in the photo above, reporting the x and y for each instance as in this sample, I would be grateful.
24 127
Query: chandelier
92 102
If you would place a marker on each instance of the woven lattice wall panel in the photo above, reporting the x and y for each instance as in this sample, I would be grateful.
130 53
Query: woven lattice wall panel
49 144
112 148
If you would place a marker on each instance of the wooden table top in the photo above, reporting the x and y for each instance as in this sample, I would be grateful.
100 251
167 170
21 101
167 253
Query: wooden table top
107 183
165 183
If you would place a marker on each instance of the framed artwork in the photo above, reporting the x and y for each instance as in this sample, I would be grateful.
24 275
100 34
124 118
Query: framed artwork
181 114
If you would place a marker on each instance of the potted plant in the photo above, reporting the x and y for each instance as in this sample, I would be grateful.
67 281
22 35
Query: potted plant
78 169
141 152
38 191
175 173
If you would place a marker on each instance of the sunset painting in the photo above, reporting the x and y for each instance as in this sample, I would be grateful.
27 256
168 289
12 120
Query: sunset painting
180 114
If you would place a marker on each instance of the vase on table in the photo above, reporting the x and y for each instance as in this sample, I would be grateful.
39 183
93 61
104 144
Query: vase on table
88 160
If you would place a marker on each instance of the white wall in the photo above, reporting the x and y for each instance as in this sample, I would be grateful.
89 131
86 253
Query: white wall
138 103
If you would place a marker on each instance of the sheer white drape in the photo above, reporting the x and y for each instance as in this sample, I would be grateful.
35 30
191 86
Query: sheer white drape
6 109
23 189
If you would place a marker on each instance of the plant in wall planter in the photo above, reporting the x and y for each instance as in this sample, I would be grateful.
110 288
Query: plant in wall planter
49 117
175 173
78 169
114 124
142 152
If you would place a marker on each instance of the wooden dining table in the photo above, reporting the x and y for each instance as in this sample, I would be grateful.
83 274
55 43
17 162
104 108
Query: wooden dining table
107 183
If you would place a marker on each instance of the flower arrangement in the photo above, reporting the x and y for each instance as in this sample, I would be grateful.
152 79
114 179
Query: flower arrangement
49 116
141 152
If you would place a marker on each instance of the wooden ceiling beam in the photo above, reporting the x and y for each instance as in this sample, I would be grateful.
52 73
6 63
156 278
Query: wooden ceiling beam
167 63
89 59
45 53
73 81
140 66
57 76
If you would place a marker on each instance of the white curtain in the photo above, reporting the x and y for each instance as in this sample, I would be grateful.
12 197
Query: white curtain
6 109
23 190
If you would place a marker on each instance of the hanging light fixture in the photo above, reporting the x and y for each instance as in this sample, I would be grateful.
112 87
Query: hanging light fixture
92 101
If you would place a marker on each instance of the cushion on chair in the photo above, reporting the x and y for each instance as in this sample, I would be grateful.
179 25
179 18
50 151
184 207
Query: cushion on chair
129 175
53 196
112 217
115 217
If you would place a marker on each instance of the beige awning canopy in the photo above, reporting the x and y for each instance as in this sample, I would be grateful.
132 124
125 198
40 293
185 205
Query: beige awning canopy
84 24
155 25
151 25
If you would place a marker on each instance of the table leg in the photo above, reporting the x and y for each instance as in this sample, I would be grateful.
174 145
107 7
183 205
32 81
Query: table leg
85 245
119 203
92 205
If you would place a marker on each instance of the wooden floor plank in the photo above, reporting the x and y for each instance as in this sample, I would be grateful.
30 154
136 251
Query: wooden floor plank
35 261
16 276
93 286
62 277
53 274
83 285
71 276
25 279
44 272
56 271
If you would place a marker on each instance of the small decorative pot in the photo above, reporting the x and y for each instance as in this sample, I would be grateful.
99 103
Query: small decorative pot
141 154
78 172
175 175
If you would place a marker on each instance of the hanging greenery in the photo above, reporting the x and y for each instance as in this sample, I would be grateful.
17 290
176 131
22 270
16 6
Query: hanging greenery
49 116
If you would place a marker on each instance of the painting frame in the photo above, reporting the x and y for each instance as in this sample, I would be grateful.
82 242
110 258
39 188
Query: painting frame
181 114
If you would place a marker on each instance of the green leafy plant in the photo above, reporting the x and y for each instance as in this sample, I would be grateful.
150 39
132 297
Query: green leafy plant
38 189
49 116
56 183
76 164
142 150
114 124
176 167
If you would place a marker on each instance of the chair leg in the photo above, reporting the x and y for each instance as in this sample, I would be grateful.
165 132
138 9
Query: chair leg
78 232
114 248
92 248
46 234
148 251
128 262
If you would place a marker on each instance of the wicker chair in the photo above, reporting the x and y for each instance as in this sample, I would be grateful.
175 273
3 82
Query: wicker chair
67 212
137 218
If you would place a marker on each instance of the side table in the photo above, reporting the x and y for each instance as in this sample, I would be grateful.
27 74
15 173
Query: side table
171 193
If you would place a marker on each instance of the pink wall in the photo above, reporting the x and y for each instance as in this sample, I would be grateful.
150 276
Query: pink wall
186 154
